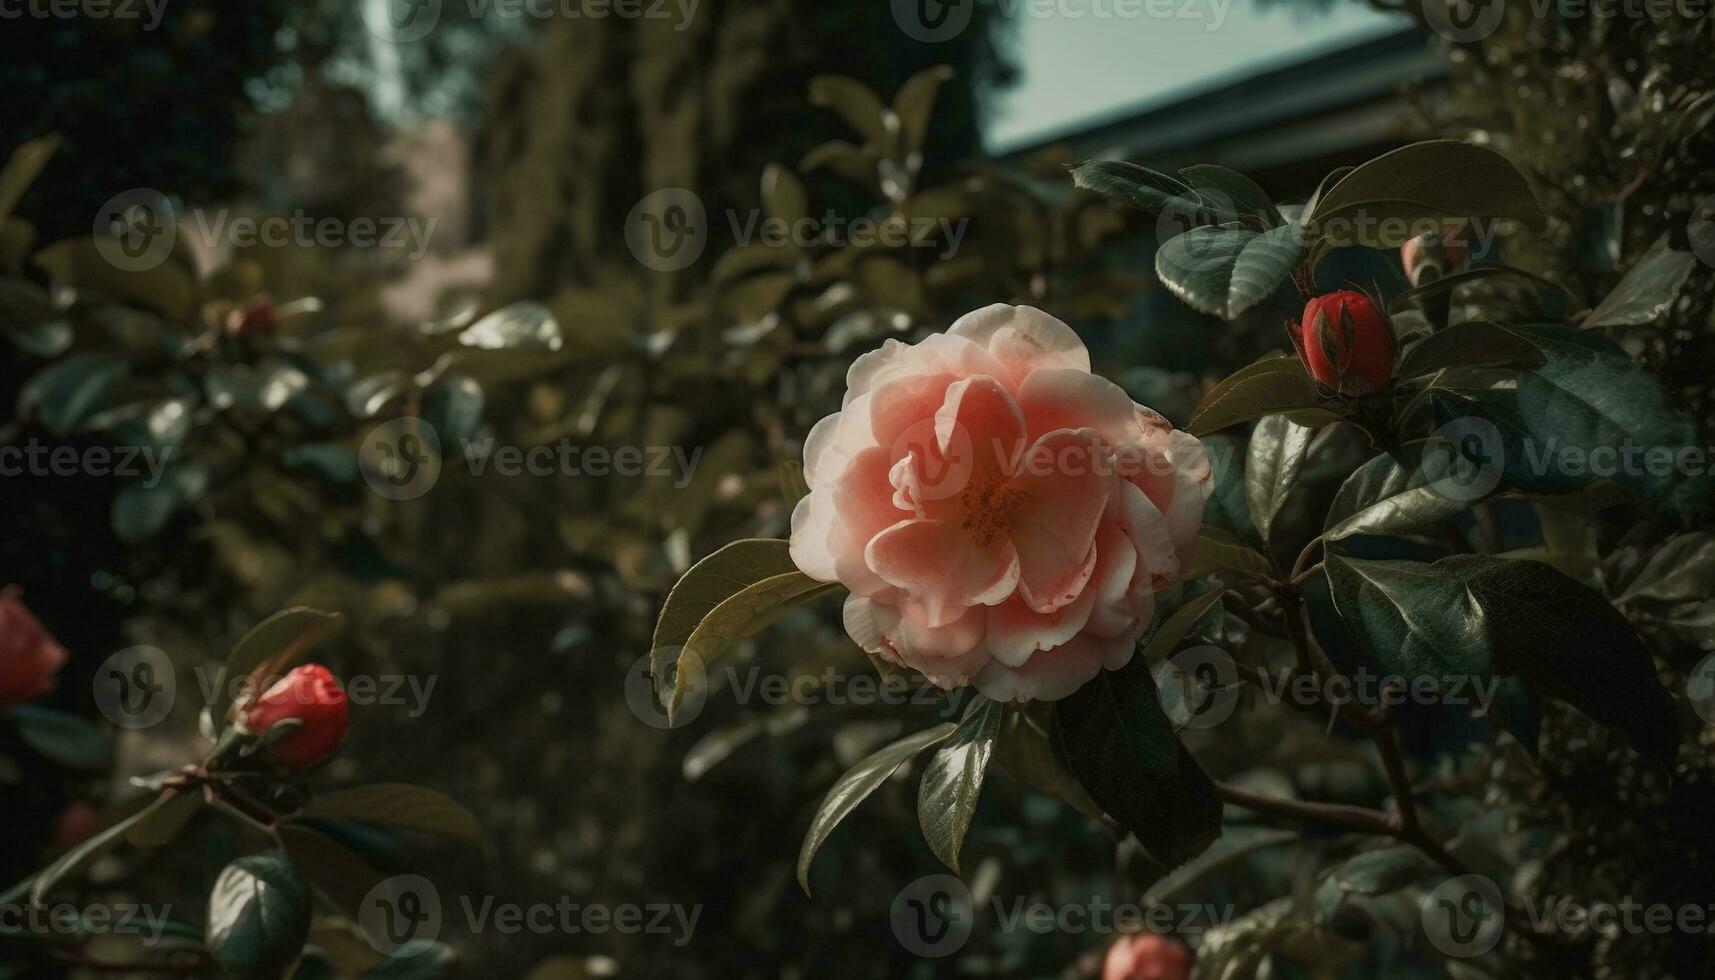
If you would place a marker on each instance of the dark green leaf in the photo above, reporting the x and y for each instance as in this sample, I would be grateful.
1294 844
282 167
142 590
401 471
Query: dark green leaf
1380 872
1469 344
1237 197
1647 292
258 917
953 780
1395 197
1224 270
400 806
1479 616
856 785
1138 186
1275 384
63 395
1221 551
1382 497
1276 455
63 737
142 509
1534 296
1161 643
1120 744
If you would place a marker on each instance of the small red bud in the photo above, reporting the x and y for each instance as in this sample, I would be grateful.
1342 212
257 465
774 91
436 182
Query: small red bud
30 659
1147 956
1346 343
75 824
308 694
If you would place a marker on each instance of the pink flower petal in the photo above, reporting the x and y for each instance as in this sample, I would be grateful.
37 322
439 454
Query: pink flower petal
1023 338
1063 398
1016 631
1062 492
1056 673
942 568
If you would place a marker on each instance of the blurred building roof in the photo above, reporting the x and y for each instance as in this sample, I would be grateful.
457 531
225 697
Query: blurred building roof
1283 126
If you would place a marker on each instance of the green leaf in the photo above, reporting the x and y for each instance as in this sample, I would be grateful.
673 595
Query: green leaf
1472 343
1276 454
1219 550
1241 198
856 785
1274 384
1382 497
269 649
1025 749
783 196
400 806
953 780
1224 270
1682 570
258 917
1479 616
716 579
1139 187
140 510
1395 197
63 395
1161 643
1536 296
744 614
1589 396
164 823
22 168
63 737
1120 744
915 103
1381 871
453 405
853 102
1647 292
527 326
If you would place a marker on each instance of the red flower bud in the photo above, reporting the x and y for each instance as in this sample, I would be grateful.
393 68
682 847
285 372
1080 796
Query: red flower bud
308 694
1346 342
29 657
1147 956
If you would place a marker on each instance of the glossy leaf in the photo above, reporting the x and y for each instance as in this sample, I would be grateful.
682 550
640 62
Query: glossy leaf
1224 270
65 394
1120 744
855 786
1219 550
1139 187
1382 497
65 738
258 917
1479 616
1275 384
1647 291
1160 644
1240 197
953 780
1273 461
1388 200
1469 344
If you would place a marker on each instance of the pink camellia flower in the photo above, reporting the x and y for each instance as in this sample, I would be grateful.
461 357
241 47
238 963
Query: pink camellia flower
307 694
1147 956
30 659
1002 516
